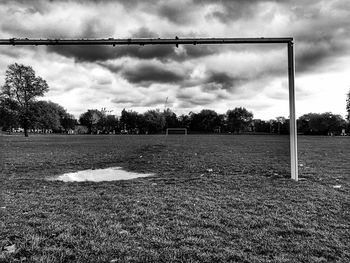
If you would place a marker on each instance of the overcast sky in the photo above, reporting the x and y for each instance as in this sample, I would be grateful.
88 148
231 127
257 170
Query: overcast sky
191 77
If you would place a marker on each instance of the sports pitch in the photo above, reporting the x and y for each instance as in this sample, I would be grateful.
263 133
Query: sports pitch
213 199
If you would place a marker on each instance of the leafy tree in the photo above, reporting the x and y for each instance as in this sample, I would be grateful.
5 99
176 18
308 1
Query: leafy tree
129 119
184 121
238 119
320 123
68 122
171 120
111 123
261 126
45 115
91 119
280 121
154 121
9 117
23 86
205 120
50 115
335 123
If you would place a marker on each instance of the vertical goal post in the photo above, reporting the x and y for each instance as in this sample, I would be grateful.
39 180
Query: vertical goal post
193 41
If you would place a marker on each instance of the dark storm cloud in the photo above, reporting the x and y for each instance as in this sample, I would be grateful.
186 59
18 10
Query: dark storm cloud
193 99
222 80
196 51
146 52
160 52
102 53
318 37
321 43
322 36
315 30
145 74
311 56
176 13
84 53
111 67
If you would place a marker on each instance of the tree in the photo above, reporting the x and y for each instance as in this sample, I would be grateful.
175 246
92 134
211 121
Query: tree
50 115
238 119
154 121
261 126
335 123
91 119
9 117
321 123
45 115
111 123
129 119
68 122
205 121
23 86
171 120
184 121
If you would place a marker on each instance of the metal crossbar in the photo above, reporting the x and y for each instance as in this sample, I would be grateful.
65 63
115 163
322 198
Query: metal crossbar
144 41
192 41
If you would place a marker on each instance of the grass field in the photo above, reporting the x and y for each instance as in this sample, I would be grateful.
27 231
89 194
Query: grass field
213 199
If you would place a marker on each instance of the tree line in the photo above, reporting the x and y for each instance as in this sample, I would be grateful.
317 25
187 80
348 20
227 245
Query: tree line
19 107
237 120
156 121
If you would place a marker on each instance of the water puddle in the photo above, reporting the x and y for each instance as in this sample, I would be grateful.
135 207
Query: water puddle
99 175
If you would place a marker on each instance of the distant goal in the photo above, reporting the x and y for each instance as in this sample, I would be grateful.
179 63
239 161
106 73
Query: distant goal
175 131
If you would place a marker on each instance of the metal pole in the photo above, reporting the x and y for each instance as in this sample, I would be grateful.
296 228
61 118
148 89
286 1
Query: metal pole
292 119
143 41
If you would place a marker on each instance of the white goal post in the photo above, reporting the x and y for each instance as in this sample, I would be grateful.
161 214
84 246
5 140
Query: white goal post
176 130
193 41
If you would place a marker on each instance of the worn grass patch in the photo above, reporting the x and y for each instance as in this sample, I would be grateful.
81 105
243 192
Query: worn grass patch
213 199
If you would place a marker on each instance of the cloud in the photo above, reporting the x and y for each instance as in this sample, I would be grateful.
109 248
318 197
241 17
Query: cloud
197 51
316 50
222 80
229 11
103 53
148 99
311 56
215 74
160 52
194 96
178 12
145 74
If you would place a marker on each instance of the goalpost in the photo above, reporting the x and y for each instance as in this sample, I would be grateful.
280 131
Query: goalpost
195 41
176 131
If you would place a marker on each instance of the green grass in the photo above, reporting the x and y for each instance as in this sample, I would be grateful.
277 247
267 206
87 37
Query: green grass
213 199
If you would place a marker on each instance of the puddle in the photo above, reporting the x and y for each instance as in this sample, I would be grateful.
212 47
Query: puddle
99 175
